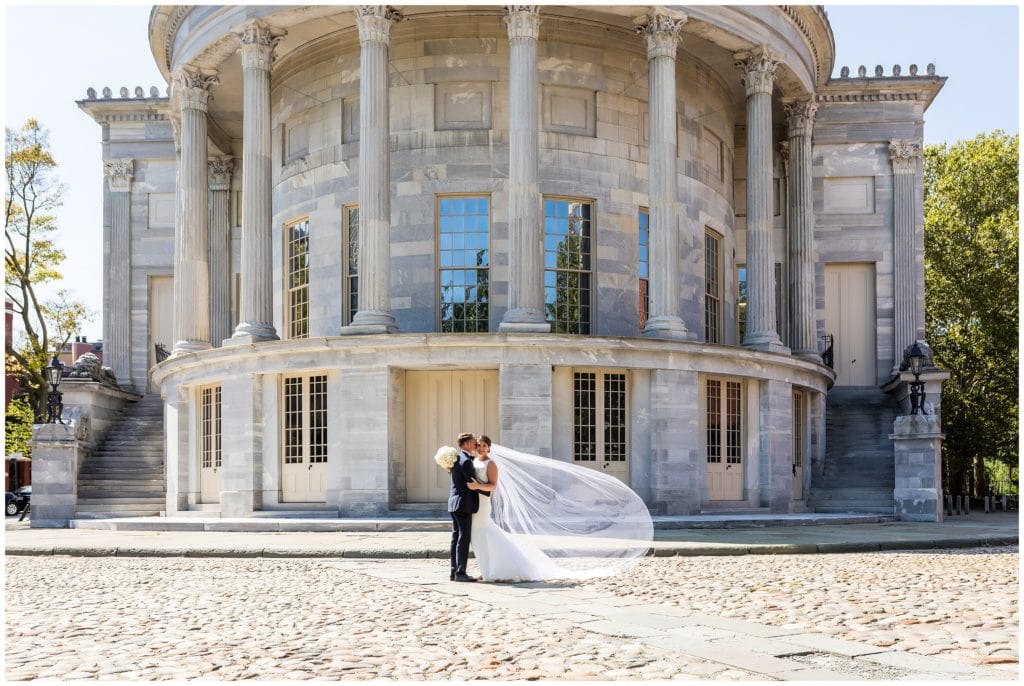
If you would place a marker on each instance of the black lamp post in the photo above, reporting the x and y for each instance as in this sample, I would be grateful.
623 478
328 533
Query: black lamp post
55 399
915 359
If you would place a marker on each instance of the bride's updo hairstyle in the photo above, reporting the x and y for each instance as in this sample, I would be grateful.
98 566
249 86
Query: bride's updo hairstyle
484 438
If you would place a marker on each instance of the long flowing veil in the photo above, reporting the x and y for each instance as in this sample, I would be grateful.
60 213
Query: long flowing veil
585 522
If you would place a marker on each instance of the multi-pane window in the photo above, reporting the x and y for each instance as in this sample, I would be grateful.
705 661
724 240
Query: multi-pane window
599 417
799 423
351 261
304 420
712 287
464 260
567 235
297 278
643 266
741 299
209 428
724 421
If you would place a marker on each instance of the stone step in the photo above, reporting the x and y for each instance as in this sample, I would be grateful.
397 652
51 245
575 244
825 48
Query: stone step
117 514
114 486
110 504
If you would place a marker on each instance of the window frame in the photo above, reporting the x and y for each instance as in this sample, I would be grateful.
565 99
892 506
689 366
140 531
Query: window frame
438 267
289 321
349 308
780 302
305 429
600 410
590 324
719 296
213 421
723 445
644 282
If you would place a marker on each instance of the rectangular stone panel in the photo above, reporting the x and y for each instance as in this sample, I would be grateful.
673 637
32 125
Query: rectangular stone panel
849 195
711 150
569 110
161 211
462 105
350 119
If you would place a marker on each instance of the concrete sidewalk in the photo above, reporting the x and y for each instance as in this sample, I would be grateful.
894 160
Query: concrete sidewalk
303 540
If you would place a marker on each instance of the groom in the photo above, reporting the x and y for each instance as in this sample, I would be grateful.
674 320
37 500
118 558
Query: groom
463 502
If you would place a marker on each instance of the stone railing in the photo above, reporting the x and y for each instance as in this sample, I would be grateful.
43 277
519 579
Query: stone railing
139 93
897 71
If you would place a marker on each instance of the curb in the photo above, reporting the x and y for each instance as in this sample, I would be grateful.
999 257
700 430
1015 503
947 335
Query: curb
425 553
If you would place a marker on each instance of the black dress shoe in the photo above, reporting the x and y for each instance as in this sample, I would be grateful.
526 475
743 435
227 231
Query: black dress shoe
451 577
464 577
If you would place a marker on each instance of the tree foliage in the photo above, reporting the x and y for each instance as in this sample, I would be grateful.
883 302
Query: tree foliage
32 259
971 248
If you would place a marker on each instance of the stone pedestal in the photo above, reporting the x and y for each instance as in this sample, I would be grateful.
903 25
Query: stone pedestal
57 454
917 442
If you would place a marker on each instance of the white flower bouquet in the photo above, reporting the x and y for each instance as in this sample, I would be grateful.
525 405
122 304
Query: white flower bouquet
447 456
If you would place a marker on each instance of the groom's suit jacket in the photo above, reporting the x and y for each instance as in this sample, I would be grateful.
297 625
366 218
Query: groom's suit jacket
461 499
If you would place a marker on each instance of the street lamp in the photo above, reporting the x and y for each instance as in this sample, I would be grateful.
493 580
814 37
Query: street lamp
915 359
55 399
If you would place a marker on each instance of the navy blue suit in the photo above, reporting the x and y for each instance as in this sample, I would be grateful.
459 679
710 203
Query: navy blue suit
462 504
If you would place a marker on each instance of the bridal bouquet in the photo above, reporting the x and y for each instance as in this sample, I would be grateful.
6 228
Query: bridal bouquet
447 456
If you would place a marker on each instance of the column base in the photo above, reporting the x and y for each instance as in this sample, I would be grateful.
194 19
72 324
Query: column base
671 328
190 347
769 342
245 339
252 332
524 320
370 322
810 355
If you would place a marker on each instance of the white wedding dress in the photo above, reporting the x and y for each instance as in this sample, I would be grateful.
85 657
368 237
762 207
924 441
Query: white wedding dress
549 519
503 556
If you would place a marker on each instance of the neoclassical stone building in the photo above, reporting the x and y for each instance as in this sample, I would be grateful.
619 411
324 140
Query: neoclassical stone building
618 236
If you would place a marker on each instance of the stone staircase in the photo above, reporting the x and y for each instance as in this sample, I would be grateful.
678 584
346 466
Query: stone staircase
859 466
124 476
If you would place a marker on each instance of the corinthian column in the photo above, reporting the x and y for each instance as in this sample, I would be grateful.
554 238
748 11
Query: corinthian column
117 279
661 29
220 254
374 314
191 264
758 66
525 311
255 320
802 326
905 155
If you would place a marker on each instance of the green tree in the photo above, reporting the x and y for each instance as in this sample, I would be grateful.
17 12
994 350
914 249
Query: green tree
32 260
18 427
971 246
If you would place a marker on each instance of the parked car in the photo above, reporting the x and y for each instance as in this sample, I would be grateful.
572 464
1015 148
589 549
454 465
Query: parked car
19 500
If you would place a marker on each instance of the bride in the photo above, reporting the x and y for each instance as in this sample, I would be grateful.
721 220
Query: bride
547 519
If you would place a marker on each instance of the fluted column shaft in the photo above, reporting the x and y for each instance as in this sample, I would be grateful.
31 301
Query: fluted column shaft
117 280
220 249
802 322
661 30
758 67
256 307
525 311
191 275
905 155
374 314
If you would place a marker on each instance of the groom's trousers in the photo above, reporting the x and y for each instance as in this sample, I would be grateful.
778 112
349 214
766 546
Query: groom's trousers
462 523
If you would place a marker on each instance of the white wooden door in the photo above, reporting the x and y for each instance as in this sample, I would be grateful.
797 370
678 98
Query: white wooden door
724 438
601 422
304 439
161 315
850 319
440 406
799 443
209 444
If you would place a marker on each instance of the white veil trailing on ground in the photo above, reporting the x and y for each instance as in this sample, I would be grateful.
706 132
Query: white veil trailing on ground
585 522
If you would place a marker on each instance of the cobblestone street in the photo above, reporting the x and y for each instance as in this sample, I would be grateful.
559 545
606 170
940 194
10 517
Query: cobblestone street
671 618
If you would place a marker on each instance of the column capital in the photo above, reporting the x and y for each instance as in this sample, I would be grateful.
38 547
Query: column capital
523 22
904 154
119 174
220 169
758 67
800 115
191 86
661 28
374 22
257 41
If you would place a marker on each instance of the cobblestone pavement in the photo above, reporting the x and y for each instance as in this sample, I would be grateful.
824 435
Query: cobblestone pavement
959 604
182 618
